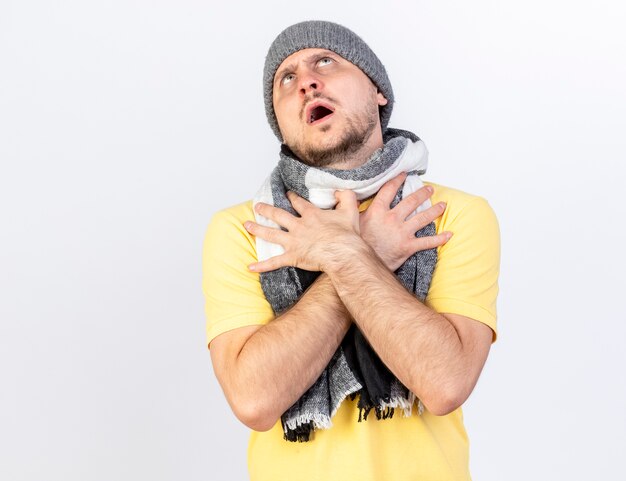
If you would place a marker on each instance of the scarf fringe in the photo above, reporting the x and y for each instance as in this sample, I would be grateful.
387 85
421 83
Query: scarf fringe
301 434
301 427
319 421
386 409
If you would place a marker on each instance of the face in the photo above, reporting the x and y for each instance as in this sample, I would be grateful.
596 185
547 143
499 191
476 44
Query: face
326 107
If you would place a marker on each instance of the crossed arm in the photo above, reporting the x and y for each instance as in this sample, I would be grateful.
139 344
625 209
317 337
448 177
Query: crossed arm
263 370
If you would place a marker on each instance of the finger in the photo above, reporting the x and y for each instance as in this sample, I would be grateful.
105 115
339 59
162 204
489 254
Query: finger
425 217
270 234
278 215
346 199
430 242
411 202
300 204
270 264
388 192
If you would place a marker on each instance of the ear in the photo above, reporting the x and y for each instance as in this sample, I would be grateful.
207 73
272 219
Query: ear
382 100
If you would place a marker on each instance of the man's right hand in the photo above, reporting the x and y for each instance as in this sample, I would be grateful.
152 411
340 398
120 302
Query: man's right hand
391 232
314 240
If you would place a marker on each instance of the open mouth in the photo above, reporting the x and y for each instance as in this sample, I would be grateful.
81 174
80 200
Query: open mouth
318 112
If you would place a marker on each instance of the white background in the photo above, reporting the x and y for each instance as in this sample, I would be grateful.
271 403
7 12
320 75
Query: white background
124 125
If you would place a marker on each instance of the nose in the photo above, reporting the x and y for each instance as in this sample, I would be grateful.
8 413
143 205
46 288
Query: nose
310 82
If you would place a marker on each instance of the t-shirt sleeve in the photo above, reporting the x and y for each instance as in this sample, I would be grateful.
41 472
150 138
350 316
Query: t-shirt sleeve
465 280
232 293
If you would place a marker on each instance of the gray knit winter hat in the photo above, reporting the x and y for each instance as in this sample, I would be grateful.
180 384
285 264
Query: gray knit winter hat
330 36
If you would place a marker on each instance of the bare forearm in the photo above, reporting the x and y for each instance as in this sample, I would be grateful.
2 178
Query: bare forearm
438 357
420 346
280 361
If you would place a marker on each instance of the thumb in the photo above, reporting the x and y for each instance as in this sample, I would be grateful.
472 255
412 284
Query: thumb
346 199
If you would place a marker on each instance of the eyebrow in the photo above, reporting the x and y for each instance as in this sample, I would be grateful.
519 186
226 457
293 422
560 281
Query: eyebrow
292 66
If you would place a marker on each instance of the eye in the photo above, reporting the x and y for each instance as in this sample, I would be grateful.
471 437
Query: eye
287 78
325 61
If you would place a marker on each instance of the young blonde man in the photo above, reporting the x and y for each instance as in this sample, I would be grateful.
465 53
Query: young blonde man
350 307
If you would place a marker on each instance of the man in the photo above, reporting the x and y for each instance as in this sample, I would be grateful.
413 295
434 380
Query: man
347 295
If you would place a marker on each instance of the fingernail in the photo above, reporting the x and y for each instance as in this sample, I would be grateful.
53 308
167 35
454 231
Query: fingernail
252 267
442 204
247 225
448 235
430 189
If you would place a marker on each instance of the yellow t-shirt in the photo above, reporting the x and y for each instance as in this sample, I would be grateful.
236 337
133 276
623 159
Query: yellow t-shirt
426 447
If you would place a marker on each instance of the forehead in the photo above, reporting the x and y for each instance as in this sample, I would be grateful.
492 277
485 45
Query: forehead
304 53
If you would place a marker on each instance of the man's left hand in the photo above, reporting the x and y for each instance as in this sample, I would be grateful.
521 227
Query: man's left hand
390 231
